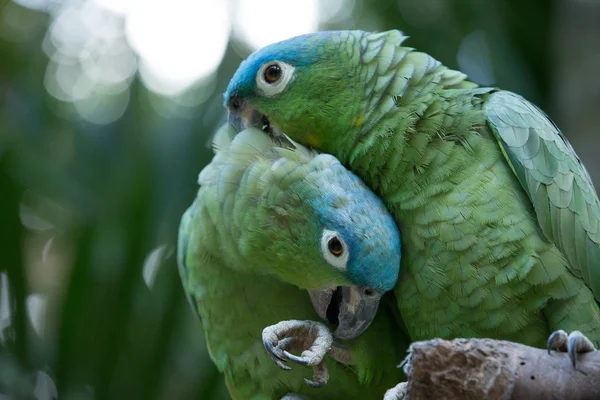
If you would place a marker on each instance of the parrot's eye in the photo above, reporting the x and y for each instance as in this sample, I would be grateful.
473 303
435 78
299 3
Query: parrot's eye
272 73
335 246
273 77
334 249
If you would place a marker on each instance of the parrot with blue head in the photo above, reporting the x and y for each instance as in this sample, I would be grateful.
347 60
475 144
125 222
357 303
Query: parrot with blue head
277 237
499 218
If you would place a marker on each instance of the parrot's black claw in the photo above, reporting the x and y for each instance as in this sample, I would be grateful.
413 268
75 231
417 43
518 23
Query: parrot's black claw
313 339
272 351
320 376
276 351
398 392
314 384
296 359
557 341
281 364
573 344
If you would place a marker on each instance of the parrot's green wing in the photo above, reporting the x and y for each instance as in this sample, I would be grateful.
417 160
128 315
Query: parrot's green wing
182 250
557 183
222 140
183 241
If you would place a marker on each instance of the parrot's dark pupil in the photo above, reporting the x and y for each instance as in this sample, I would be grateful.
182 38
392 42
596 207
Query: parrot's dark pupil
335 246
272 73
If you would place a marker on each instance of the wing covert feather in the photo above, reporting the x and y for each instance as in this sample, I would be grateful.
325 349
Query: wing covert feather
557 183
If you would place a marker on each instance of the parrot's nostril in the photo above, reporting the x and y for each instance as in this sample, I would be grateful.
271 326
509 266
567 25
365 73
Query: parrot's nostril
369 292
235 103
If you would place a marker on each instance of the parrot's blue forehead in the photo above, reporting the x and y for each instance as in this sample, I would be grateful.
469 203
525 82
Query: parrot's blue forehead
370 232
298 51
375 258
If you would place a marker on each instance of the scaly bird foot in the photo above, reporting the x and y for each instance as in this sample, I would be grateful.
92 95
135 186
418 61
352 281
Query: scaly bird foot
312 338
398 392
573 344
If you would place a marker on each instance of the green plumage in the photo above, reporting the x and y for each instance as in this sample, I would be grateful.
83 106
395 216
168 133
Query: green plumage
246 252
499 219
559 187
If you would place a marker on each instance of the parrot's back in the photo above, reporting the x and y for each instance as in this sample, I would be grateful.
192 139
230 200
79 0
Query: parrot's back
460 175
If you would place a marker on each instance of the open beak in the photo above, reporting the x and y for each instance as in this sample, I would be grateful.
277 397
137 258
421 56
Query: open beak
247 117
351 308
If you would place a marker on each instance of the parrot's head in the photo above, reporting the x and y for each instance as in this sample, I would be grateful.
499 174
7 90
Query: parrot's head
358 237
302 87
304 218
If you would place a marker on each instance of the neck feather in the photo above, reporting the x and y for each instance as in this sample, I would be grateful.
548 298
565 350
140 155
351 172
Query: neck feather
415 114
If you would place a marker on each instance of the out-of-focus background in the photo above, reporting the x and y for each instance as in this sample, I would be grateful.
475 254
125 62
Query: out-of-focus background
106 112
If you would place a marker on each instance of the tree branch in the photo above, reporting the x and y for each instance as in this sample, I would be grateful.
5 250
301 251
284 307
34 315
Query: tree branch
491 369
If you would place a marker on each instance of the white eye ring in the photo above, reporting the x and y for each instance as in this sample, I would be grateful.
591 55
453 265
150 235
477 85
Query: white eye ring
273 89
338 262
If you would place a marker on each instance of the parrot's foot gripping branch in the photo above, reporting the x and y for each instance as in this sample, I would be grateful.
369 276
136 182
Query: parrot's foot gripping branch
313 339
574 343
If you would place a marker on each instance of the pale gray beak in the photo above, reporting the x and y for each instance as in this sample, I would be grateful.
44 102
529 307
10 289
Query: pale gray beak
352 308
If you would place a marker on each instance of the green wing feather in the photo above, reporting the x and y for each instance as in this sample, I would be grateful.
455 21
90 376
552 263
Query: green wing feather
221 145
182 250
557 183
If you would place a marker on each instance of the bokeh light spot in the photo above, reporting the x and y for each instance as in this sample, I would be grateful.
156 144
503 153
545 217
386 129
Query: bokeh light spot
262 22
179 42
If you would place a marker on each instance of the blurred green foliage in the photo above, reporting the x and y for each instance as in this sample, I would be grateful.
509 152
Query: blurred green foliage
85 209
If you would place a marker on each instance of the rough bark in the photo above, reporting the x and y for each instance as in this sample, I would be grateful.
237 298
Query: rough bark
490 369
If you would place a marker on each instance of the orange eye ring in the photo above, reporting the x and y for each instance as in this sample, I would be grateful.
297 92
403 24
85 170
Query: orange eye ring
335 247
272 73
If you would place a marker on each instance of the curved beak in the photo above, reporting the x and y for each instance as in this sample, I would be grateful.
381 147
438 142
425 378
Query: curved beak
246 117
352 308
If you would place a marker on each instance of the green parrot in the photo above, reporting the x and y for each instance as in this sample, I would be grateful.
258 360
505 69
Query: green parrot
499 218
279 236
